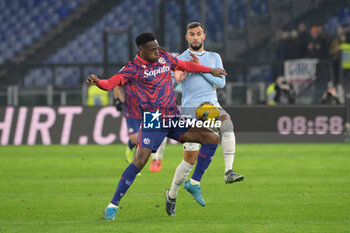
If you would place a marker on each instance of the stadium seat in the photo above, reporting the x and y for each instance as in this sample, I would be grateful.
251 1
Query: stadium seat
237 16
343 17
67 76
192 10
35 16
38 77
119 18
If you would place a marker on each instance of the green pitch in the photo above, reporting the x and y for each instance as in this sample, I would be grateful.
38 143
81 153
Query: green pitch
288 188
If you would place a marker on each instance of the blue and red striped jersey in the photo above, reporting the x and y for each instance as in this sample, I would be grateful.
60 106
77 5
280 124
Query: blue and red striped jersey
152 84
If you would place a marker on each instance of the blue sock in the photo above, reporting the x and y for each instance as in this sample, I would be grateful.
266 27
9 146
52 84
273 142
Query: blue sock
205 156
125 182
130 145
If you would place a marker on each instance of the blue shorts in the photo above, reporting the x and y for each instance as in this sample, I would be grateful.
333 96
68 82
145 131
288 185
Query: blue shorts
152 138
133 125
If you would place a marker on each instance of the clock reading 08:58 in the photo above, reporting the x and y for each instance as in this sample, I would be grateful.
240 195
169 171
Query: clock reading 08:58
299 125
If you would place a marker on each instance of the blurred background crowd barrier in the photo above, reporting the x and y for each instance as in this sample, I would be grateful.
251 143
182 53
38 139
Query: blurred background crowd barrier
105 125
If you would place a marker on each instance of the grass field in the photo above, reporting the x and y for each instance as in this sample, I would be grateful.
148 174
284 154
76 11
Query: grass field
288 188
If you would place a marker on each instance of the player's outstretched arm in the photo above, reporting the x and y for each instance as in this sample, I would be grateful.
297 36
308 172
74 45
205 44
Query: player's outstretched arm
220 82
217 72
92 80
217 81
196 68
106 84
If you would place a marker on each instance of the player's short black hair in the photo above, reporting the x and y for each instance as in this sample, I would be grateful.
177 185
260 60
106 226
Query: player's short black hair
144 37
194 25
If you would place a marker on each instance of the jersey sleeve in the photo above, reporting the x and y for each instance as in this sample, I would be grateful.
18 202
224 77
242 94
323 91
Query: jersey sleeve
173 60
217 81
191 67
119 79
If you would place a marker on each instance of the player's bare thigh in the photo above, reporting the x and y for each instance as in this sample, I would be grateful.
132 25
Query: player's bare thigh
201 135
133 138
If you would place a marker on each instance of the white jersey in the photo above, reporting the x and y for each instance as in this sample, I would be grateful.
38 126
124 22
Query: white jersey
201 87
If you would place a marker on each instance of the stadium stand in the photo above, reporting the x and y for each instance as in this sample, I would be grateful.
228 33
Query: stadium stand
88 46
173 29
259 7
214 21
23 21
342 18
84 51
237 18
192 11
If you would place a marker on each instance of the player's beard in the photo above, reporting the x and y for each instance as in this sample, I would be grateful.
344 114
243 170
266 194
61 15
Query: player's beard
196 48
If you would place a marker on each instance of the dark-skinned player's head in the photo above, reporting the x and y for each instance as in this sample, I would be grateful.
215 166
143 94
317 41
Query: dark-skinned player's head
148 46
195 36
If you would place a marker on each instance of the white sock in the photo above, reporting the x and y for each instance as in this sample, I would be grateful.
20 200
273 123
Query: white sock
111 205
228 144
181 173
159 153
194 182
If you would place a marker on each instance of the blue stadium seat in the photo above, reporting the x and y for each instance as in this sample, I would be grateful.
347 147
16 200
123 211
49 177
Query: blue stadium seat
343 17
138 13
192 11
237 16
342 14
331 25
67 76
88 46
35 16
39 77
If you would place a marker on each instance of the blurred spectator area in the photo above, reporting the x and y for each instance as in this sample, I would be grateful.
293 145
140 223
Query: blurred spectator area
23 21
237 24
141 14
343 17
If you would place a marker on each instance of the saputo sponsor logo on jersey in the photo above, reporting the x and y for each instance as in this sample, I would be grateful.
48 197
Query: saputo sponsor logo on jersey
163 69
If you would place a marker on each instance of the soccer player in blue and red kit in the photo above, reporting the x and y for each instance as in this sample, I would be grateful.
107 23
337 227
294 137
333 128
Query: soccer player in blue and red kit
128 103
149 77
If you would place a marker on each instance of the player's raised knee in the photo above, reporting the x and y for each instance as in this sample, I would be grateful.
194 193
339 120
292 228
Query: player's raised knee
211 138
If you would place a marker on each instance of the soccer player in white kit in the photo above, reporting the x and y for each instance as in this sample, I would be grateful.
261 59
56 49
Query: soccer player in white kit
196 89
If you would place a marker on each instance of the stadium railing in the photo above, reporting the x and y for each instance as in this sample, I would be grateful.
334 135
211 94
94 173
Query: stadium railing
246 83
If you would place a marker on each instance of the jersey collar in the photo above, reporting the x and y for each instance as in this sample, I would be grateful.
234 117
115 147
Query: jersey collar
196 53
142 60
